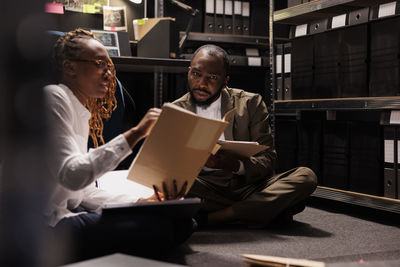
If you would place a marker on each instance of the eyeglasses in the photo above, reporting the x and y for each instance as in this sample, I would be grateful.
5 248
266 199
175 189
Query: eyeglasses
99 63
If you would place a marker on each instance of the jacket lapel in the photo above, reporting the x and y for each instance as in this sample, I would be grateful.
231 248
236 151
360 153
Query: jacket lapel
226 105
187 104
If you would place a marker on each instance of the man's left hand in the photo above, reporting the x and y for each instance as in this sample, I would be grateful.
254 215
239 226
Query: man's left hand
223 160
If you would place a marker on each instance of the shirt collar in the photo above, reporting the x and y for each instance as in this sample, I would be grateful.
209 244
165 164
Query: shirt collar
213 106
77 105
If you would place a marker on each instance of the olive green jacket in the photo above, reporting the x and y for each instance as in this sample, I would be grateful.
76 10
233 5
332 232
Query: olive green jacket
249 123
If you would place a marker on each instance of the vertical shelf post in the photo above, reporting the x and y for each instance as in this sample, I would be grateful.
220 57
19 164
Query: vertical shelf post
271 79
158 76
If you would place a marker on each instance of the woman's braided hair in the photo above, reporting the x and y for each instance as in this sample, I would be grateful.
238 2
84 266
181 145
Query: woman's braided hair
69 46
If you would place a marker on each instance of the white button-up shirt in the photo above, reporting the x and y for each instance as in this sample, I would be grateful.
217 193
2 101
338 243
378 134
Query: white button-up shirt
73 168
213 111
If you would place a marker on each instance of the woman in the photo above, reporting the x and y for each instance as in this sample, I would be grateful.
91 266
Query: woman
77 106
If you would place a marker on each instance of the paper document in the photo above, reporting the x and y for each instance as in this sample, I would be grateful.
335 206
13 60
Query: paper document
240 148
177 148
261 260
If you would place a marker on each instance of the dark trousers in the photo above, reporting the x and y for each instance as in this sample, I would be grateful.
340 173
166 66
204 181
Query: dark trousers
92 235
260 207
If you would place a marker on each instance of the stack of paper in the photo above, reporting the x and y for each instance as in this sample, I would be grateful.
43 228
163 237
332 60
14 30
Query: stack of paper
261 260
241 148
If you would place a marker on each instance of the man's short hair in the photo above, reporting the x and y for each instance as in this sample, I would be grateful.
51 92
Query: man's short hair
214 50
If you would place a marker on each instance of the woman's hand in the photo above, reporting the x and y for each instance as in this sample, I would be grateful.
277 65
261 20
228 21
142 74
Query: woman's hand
143 128
165 194
146 124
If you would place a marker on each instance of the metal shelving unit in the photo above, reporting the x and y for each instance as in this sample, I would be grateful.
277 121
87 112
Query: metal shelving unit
305 13
361 103
249 40
365 200
145 64
158 66
319 9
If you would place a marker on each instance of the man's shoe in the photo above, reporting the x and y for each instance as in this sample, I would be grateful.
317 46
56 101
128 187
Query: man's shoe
297 208
286 216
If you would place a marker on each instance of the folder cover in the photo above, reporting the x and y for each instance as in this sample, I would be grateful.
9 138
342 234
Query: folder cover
279 88
246 18
209 20
389 183
278 72
365 161
353 61
177 148
326 71
228 17
302 67
286 143
385 64
237 17
287 70
219 16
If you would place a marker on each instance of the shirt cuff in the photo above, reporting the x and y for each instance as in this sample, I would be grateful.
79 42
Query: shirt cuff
123 148
241 170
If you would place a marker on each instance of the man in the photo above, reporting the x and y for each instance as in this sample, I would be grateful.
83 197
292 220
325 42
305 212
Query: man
234 189
76 107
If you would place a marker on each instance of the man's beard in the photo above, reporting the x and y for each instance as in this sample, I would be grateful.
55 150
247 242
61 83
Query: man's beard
207 102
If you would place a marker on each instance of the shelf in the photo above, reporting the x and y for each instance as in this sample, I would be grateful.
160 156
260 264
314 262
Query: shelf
361 103
230 39
144 64
319 9
365 200
239 61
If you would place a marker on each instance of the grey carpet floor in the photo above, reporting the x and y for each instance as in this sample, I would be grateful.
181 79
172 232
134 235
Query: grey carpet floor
338 237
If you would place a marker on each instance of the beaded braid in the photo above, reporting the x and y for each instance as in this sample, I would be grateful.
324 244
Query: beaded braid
68 47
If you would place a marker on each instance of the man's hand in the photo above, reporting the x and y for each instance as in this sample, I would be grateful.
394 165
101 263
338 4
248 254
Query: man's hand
223 160
166 194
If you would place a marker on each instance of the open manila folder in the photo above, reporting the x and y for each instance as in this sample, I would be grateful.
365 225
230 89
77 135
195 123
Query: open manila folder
177 148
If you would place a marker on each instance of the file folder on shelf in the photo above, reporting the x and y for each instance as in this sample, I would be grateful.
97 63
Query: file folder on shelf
385 62
291 3
228 17
359 16
326 71
246 18
310 145
286 143
219 16
390 161
279 72
237 17
302 67
366 157
287 71
353 61
209 20
318 26
389 182
336 154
